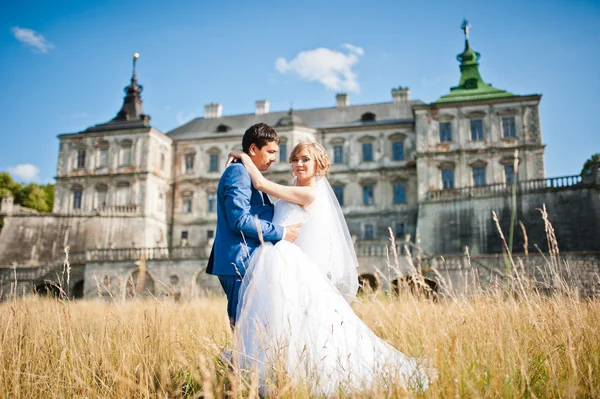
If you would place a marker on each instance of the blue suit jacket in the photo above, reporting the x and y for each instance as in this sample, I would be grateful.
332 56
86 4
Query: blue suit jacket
239 207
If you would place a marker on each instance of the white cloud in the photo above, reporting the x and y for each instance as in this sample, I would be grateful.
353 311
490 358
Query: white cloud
24 172
354 49
32 39
331 68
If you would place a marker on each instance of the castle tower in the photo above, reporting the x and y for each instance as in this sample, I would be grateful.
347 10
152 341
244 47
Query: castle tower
121 170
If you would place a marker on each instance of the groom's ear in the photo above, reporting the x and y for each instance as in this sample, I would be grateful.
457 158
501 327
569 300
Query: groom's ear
252 149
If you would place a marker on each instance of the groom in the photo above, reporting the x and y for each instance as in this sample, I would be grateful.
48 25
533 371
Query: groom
240 209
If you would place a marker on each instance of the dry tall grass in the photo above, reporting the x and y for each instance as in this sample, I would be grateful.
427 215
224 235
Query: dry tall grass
489 345
507 341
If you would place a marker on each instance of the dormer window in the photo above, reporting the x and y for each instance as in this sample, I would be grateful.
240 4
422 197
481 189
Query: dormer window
368 117
223 128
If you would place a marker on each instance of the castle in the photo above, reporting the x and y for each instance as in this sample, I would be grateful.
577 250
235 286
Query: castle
133 200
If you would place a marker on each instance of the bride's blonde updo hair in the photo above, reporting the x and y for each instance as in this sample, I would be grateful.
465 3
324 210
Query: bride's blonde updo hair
318 153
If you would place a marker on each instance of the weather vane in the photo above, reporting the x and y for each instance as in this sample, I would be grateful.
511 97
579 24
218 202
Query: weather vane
465 26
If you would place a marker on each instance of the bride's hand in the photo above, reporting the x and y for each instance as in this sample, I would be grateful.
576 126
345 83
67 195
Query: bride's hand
237 154
234 154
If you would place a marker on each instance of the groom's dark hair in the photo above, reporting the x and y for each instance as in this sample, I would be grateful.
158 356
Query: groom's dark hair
259 135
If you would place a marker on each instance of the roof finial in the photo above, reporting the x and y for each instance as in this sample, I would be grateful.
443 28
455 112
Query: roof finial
135 57
465 26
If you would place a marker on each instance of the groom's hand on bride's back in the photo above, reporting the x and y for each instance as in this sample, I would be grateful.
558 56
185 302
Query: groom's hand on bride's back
291 232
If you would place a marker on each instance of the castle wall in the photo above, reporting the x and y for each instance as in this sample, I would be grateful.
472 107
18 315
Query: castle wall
177 278
33 240
446 227
461 275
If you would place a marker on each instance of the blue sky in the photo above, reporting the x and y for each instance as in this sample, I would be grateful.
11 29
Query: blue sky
64 63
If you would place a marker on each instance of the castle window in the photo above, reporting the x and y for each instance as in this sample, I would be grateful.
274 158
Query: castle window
161 202
510 176
368 195
123 194
445 132
447 179
102 157
338 153
77 198
478 176
184 236
398 150
81 159
369 231
189 163
399 194
210 234
476 129
186 202
162 161
212 202
508 127
367 152
399 230
339 194
368 117
125 153
214 163
101 190
283 151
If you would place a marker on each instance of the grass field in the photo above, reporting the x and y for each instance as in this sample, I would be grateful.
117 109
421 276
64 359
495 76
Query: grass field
487 345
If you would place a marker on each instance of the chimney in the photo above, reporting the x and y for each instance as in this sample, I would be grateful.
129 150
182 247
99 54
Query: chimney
401 94
262 107
213 110
342 100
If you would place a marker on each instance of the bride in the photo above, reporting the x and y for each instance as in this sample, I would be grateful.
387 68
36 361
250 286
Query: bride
294 313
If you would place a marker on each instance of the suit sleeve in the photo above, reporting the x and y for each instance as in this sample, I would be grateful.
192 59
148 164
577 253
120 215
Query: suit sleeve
237 192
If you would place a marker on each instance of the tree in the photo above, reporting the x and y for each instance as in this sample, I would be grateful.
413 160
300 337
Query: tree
34 196
587 166
7 184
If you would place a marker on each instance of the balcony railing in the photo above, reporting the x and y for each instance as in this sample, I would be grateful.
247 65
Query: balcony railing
117 210
375 248
493 190
158 253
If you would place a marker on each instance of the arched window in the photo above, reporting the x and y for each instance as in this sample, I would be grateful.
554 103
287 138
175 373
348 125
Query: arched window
368 283
140 283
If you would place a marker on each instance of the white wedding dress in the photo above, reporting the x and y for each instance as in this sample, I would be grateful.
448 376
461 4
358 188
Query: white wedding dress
292 314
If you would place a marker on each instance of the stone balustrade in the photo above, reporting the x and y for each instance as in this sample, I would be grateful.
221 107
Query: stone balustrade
501 189
157 253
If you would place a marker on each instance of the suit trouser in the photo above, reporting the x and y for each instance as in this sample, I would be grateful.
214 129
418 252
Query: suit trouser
231 285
